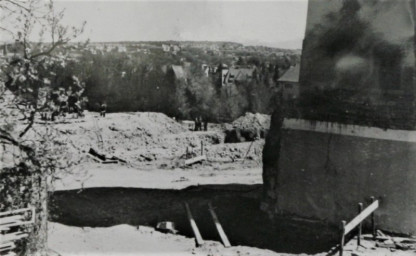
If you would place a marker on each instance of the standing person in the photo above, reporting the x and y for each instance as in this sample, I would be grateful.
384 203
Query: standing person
103 109
200 123
55 113
72 100
63 108
196 124
78 109
205 124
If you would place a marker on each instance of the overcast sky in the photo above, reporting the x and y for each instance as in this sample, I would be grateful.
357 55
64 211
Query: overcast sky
249 22
278 23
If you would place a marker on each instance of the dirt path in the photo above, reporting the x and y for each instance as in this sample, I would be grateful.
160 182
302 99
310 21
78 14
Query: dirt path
98 175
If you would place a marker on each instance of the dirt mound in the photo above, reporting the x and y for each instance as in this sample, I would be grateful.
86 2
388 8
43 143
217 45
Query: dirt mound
146 139
130 136
136 137
252 121
248 128
236 151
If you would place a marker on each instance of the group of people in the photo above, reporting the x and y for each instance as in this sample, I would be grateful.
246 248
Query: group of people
199 122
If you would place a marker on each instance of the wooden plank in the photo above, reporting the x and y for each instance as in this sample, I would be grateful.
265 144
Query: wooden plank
12 236
16 211
359 218
10 219
7 246
220 230
198 237
195 159
248 150
94 158
110 162
373 223
341 245
360 210
18 223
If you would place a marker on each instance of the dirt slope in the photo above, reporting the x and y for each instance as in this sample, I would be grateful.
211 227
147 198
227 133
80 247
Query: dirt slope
143 138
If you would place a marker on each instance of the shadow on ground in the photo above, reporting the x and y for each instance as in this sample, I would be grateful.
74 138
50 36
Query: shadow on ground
237 207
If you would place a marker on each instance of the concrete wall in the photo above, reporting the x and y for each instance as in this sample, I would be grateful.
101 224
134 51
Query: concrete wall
322 170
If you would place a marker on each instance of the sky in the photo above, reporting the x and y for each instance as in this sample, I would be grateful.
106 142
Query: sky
277 23
273 23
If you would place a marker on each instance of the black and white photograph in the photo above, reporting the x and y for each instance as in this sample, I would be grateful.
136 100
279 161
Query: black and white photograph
207 127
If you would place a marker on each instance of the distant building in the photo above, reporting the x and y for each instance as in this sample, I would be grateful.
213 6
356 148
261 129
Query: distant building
165 47
11 50
174 49
205 69
224 72
121 48
289 83
179 72
214 47
186 64
230 76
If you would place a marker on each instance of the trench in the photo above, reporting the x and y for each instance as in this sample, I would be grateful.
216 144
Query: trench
237 207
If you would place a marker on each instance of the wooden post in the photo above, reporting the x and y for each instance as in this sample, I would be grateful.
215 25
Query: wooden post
341 246
220 230
373 224
248 150
198 237
202 148
360 209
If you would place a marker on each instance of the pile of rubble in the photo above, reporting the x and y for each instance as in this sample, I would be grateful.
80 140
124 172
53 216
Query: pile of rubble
248 128
381 245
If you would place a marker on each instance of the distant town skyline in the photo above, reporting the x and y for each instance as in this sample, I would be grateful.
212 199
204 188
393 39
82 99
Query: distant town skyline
279 23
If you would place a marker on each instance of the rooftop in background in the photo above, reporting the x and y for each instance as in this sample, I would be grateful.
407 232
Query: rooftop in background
291 75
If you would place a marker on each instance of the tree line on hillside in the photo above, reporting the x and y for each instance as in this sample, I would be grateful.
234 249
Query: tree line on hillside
128 82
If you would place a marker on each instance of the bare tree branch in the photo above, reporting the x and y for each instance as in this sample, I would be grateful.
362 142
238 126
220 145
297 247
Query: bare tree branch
16 3
49 51
4 135
31 122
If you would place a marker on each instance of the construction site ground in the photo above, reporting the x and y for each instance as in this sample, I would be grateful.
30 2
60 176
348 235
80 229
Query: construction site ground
368 247
112 208
154 148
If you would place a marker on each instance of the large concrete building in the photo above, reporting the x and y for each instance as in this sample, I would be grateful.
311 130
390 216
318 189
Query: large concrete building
353 135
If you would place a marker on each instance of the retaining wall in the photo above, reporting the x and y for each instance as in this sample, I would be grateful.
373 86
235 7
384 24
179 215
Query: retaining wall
322 170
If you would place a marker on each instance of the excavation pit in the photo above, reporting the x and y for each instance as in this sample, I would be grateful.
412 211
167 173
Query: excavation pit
237 207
